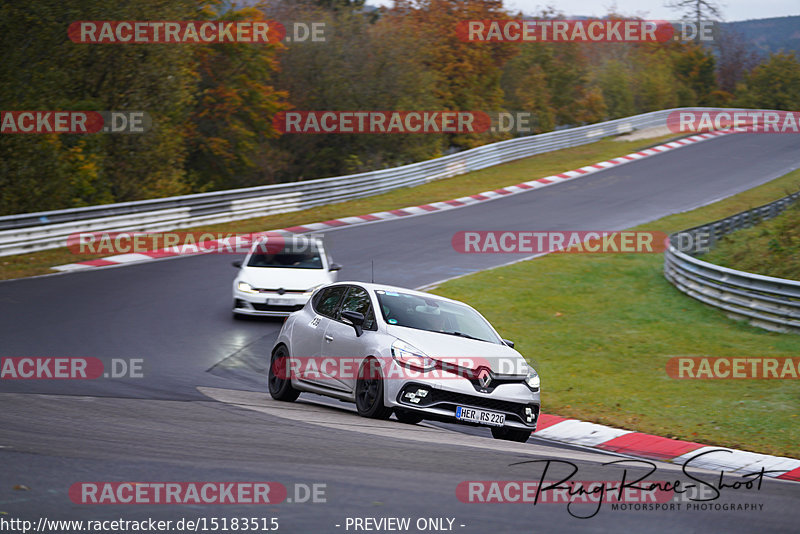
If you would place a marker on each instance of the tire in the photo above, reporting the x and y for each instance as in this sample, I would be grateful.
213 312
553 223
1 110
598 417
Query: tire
510 434
369 391
280 388
408 417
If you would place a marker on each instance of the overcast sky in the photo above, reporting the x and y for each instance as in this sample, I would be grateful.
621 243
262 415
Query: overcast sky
654 9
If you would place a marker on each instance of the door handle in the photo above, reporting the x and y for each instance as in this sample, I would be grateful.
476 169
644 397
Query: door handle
328 338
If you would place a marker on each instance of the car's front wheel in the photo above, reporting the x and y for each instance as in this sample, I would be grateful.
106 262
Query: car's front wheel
510 434
278 379
369 391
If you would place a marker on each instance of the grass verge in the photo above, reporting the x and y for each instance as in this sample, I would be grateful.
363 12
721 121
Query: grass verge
36 263
600 329
770 248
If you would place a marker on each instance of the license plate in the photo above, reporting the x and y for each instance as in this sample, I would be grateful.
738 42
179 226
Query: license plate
480 416
279 302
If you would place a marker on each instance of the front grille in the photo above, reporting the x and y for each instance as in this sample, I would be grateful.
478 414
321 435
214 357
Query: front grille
449 400
494 383
277 290
275 307
473 374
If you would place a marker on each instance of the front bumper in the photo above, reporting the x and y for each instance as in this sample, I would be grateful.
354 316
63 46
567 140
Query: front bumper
268 304
520 405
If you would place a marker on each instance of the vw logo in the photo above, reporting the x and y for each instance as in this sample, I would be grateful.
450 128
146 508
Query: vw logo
281 291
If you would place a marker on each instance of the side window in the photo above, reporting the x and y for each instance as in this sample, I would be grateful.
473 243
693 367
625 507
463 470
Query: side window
325 303
357 299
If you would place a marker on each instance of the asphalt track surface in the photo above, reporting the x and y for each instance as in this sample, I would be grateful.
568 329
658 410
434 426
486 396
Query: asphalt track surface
201 412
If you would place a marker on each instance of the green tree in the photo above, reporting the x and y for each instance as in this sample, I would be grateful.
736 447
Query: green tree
694 68
774 84
615 84
654 80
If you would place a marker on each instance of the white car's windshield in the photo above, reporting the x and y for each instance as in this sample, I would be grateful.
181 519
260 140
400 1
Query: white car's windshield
293 255
434 315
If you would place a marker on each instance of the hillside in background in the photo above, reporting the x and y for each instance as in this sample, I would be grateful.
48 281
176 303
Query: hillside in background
770 35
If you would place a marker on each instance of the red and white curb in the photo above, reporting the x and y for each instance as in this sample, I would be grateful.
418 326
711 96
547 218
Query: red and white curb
190 250
628 442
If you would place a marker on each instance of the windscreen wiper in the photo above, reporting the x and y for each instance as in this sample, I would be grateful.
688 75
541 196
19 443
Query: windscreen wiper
462 334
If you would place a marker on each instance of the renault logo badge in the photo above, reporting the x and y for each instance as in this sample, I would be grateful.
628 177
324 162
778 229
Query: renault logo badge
484 378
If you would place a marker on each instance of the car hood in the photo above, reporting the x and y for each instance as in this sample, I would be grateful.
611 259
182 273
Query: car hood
276 277
501 359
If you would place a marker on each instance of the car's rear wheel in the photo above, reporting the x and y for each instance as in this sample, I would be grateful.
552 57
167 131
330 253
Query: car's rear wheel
369 391
510 434
408 417
278 379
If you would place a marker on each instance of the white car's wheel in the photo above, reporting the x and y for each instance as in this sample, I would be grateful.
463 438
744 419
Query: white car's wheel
369 391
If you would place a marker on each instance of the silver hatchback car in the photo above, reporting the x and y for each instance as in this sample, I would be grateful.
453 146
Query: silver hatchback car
418 355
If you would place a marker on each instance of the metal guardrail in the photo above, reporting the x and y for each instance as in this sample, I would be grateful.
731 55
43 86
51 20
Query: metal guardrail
49 229
764 301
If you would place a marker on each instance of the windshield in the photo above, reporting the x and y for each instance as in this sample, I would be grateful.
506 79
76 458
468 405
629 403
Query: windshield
291 255
434 315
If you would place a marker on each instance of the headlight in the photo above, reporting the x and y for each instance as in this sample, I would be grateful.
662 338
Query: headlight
410 356
244 287
532 379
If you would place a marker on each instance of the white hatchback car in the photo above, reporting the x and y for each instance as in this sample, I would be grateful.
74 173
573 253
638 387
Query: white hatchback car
418 355
279 275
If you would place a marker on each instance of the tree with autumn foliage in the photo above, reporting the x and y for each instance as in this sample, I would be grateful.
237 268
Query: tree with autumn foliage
552 80
467 74
230 130
364 64
774 84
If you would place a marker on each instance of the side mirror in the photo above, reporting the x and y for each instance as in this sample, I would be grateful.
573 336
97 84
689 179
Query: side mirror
356 319
509 343
237 263
334 267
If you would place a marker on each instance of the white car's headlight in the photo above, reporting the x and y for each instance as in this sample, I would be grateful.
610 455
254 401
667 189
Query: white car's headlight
532 379
410 356
244 287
